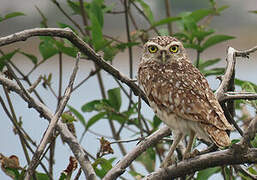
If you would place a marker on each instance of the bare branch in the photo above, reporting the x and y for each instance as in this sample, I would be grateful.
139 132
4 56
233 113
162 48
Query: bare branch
68 137
121 166
218 158
249 133
245 172
81 45
52 125
228 74
246 53
35 84
239 95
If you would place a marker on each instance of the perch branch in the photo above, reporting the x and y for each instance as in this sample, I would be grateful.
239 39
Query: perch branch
218 158
121 166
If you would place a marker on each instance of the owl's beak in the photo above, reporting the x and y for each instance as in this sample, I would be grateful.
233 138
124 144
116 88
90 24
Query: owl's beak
163 56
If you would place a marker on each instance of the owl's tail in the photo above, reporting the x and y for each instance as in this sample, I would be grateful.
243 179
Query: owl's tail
218 136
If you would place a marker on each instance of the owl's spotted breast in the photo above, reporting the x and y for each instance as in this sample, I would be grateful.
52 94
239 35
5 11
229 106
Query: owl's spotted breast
178 87
178 92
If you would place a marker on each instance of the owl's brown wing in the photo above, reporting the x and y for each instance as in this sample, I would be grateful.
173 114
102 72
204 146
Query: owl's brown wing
180 88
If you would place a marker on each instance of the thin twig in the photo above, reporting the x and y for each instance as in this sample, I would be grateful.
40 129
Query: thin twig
68 137
168 14
126 141
245 172
126 6
48 134
239 95
143 14
23 135
91 74
35 84
68 17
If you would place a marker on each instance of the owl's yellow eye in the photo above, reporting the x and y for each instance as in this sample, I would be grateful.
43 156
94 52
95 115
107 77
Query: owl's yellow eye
174 49
152 49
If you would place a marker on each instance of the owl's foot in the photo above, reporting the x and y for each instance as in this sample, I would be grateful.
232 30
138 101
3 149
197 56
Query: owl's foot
191 155
168 162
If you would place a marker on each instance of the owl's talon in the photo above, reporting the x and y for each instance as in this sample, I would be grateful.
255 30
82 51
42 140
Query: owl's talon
191 155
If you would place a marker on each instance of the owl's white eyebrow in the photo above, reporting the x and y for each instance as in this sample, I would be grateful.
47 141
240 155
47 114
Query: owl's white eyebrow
153 44
174 43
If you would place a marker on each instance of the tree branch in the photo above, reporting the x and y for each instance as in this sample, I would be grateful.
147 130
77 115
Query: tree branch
228 73
121 166
239 95
68 137
218 158
80 44
52 125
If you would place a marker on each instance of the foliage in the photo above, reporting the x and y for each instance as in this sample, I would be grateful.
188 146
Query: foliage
193 30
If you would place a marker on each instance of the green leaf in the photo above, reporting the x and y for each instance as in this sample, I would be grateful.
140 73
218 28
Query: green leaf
47 48
78 115
147 11
12 15
67 118
214 71
92 106
105 164
96 18
114 98
12 172
209 63
241 83
70 51
41 176
215 40
7 57
94 119
110 52
192 46
201 34
123 46
30 56
222 8
96 9
234 141
74 6
136 174
253 12
189 24
148 159
206 173
156 122
62 25
165 21
200 14
249 87
63 176
252 170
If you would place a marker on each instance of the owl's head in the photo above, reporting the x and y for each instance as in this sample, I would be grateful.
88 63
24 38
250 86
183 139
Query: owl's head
163 49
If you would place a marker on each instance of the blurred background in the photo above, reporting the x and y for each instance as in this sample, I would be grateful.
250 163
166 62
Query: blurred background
235 21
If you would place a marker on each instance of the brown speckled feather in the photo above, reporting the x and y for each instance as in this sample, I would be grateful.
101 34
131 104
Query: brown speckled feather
179 88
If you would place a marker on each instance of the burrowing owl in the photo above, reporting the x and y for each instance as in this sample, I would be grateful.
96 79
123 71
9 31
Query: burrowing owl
179 94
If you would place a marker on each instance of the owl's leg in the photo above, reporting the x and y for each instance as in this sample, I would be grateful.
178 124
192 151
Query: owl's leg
168 159
187 154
